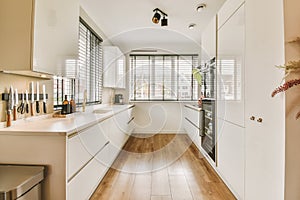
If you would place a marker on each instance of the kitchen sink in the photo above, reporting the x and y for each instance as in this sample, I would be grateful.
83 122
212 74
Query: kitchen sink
102 110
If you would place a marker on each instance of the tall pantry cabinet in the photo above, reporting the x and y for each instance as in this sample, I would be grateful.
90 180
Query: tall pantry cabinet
265 141
231 98
251 124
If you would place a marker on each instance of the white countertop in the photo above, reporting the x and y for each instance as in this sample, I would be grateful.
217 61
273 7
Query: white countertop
64 126
194 107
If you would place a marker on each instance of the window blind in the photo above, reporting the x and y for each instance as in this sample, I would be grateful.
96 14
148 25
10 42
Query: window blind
84 74
163 77
90 65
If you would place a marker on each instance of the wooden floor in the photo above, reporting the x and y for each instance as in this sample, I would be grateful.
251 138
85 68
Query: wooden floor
161 167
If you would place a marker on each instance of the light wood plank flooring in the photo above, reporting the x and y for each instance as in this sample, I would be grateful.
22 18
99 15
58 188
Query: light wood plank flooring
161 167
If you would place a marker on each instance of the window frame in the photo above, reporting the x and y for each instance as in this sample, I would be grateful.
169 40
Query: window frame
133 77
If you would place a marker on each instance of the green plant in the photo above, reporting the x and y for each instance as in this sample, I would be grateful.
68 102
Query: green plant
198 76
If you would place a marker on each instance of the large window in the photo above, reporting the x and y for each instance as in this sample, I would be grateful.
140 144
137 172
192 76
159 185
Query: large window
90 64
85 75
163 77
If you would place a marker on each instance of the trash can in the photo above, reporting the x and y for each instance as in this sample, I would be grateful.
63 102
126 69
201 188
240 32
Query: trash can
21 182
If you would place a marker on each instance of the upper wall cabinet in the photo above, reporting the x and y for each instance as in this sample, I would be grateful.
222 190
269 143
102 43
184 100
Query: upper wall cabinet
230 69
114 67
208 41
39 35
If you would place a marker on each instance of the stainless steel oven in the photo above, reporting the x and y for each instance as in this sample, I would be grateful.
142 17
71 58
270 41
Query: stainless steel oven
209 137
208 90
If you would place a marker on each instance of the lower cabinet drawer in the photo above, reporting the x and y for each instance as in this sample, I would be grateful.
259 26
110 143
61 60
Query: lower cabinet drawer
108 155
77 157
192 115
193 132
86 181
93 139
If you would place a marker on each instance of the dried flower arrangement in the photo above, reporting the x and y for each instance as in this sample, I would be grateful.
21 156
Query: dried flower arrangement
290 67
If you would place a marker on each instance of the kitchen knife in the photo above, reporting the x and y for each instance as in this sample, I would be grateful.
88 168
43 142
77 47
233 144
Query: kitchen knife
27 102
32 98
44 99
15 105
10 106
37 97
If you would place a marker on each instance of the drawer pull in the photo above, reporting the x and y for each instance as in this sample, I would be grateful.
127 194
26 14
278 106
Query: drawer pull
130 120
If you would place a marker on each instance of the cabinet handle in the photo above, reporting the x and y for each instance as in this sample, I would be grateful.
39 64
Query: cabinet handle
252 118
130 120
259 120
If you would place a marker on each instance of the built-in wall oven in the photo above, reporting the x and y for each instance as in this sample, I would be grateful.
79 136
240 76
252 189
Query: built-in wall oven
208 91
208 141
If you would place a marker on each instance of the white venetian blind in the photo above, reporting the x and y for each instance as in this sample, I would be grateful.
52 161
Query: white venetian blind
84 74
90 65
163 77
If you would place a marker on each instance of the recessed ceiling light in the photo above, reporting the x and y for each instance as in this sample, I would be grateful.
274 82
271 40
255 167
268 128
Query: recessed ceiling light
191 26
200 7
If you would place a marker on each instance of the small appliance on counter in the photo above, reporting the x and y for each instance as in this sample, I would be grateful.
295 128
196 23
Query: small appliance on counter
119 99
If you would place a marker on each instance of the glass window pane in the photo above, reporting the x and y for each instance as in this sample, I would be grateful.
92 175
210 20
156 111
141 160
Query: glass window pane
142 75
163 77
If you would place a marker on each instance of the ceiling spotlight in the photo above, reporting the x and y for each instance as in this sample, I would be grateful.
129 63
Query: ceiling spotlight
191 26
201 7
157 16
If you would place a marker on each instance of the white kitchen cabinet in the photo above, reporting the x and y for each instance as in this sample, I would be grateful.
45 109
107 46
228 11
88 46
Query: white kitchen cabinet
114 67
230 69
230 100
86 181
93 139
38 36
209 41
231 156
265 141
92 151
107 156
250 122
112 132
124 121
193 123
78 156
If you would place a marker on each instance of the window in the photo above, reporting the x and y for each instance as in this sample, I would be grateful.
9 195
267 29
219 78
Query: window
84 74
90 65
163 77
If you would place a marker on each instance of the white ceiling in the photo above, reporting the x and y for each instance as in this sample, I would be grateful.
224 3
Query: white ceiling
127 23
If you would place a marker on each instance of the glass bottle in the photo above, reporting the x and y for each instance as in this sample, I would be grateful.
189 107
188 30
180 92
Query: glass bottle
65 102
72 104
66 106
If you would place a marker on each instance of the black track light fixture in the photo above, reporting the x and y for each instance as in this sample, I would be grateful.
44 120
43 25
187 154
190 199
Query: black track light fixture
164 21
157 16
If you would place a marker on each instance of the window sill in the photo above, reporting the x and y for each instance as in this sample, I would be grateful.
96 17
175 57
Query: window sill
160 101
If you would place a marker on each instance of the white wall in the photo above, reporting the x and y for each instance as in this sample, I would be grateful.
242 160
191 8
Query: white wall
158 117
292 52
